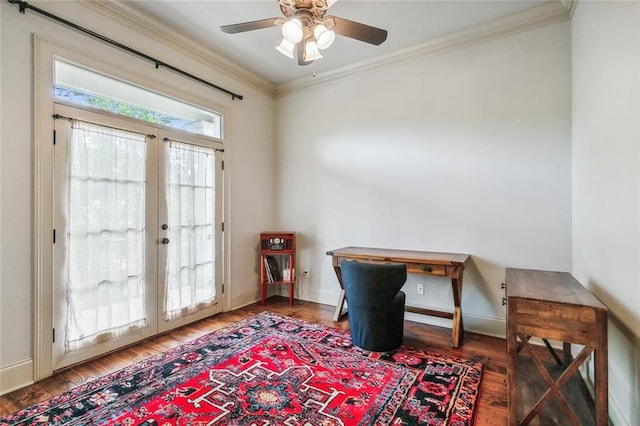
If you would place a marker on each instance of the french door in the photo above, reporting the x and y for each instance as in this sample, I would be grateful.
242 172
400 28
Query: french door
137 219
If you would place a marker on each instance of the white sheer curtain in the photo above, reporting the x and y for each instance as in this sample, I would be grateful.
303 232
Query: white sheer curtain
190 284
105 286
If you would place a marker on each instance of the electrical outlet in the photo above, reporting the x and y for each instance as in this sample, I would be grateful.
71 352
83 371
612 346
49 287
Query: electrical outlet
420 288
306 273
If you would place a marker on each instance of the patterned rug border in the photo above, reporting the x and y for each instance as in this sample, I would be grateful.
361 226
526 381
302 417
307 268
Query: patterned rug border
155 360
406 348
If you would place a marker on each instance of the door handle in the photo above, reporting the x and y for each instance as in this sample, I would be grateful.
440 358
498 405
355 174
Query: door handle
164 241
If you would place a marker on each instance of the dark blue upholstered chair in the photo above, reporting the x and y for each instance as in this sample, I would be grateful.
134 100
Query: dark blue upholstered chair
375 303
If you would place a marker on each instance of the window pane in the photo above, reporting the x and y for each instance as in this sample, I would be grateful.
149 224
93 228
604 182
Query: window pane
87 88
106 234
190 272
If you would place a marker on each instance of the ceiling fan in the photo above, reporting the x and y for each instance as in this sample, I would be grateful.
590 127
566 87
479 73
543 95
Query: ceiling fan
306 28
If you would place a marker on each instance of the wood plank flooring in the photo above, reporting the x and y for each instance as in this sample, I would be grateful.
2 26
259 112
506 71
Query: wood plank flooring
490 351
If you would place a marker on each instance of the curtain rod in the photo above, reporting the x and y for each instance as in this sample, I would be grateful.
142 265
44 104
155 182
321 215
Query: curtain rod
23 5
167 140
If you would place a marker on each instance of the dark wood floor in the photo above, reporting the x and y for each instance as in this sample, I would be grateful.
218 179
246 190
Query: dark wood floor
490 351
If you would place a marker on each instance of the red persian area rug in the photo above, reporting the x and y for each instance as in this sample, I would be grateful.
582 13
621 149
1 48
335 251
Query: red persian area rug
272 370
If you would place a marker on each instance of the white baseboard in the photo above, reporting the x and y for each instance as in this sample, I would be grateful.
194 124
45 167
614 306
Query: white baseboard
318 296
245 298
616 416
495 327
16 376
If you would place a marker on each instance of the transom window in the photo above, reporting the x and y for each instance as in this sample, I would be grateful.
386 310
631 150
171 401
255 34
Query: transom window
83 87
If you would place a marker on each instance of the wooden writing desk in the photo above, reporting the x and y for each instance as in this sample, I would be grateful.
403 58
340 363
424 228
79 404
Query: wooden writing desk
449 265
553 305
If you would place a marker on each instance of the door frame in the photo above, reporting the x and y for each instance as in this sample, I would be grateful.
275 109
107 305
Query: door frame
44 54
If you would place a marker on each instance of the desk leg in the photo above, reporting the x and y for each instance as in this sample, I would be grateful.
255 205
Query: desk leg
338 313
512 364
601 371
566 352
457 327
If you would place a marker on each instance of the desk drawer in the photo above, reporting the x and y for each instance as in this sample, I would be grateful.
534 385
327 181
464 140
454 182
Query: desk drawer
422 268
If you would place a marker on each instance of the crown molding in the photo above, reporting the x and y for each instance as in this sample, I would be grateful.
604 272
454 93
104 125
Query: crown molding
169 36
547 13
124 12
570 5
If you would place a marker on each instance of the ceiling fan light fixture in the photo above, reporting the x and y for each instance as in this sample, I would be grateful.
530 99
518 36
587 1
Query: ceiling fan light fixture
324 37
306 29
286 48
292 31
311 52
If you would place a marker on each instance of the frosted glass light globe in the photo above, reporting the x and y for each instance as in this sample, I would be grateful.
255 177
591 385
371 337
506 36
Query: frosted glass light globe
311 52
292 31
324 37
286 48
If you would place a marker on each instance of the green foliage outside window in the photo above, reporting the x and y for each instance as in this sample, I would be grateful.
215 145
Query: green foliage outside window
117 107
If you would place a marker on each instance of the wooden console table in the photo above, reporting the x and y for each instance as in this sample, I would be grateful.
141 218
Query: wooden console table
553 305
449 265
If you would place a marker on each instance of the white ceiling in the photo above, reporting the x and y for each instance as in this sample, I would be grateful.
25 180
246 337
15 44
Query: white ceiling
409 23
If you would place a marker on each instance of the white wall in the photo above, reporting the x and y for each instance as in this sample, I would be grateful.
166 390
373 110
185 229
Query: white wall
468 151
248 157
606 183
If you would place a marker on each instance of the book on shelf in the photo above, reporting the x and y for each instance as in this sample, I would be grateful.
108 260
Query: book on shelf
267 271
272 269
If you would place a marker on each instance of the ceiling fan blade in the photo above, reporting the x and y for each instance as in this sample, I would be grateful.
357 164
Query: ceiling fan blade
249 26
359 31
300 51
